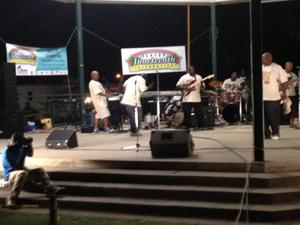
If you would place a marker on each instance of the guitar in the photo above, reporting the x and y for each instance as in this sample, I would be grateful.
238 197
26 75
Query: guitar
188 88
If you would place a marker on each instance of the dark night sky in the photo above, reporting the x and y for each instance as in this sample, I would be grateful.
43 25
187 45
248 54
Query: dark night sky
44 23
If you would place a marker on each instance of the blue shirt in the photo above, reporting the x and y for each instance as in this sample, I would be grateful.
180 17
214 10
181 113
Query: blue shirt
13 159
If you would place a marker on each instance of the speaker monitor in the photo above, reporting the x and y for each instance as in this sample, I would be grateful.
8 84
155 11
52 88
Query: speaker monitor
62 139
171 143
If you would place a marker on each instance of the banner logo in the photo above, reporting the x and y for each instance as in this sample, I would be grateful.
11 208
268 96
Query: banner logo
21 55
154 59
149 60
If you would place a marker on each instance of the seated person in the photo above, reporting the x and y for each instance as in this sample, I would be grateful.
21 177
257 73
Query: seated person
232 84
16 174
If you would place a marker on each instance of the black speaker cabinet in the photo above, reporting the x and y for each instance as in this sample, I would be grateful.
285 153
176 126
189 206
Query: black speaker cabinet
10 122
207 116
171 143
62 139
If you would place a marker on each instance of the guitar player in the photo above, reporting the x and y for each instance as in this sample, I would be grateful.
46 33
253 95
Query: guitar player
191 98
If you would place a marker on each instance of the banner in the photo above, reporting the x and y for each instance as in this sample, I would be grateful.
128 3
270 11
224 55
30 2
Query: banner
37 61
153 60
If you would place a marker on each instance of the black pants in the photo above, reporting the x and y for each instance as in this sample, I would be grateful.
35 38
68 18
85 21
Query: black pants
189 120
294 107
272 117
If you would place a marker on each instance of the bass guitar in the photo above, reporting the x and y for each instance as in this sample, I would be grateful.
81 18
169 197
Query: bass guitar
188 88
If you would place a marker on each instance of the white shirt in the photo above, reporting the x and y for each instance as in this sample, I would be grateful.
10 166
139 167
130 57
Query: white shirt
95 88
134 86
273 76
292 84
241 80
230 85
193 96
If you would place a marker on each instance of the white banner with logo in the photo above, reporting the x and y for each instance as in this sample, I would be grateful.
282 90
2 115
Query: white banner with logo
153 60
37 61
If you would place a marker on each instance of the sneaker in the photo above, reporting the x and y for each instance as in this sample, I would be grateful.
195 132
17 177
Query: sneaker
11 203
275 137
96 130
108 130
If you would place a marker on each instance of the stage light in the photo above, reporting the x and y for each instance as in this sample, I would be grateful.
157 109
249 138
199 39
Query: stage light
118 76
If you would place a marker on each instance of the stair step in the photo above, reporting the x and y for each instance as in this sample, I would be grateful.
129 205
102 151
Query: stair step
184 164
226 179
174 208
187 193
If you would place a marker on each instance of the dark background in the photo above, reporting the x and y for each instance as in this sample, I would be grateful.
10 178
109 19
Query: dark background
43 23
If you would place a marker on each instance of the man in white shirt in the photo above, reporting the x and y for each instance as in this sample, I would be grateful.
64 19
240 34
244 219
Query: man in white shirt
291 92
191 99
99 99
134 86
274 89
232 84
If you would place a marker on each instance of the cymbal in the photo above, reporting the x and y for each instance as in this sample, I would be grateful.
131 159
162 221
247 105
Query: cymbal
215 83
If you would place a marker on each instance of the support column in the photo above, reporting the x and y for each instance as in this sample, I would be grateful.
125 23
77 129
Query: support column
80 62
213 39
256 77
188 30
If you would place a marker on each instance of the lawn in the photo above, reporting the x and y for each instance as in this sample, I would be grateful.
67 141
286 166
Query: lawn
25 218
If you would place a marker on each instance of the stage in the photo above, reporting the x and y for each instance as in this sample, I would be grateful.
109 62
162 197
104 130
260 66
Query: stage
228 144
101 176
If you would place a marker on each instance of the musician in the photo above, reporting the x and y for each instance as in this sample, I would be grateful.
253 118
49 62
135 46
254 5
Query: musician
191 98
134 86
99 98
291 92
232 84
274 89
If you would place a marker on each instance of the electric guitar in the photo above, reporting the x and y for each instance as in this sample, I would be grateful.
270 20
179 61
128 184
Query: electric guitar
188 88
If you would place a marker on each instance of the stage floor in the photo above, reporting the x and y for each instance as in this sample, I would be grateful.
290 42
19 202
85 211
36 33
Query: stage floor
210 146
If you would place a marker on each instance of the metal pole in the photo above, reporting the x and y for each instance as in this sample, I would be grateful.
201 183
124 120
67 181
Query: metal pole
256 77
53 209
80 63
298 123
158 101
213 33
188 27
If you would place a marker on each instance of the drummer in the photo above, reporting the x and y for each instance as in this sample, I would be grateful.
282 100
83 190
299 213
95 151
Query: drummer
232 84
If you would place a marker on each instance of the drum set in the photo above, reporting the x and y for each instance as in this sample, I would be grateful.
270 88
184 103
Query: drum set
231 107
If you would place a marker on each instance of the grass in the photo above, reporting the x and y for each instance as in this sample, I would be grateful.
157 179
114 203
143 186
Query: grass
25 218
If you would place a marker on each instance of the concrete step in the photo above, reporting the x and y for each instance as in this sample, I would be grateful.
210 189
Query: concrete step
184 164
185 193
181 209
197 178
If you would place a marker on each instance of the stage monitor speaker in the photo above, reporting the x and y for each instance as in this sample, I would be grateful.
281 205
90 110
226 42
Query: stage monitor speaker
171 143
10 122
62 139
